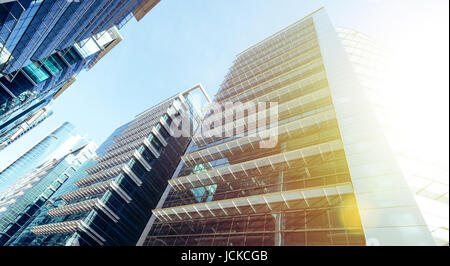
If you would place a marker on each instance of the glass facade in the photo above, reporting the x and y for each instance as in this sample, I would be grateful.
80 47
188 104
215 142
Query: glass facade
23 200
108 203
321 184
45 44
35 119
61 141
37 74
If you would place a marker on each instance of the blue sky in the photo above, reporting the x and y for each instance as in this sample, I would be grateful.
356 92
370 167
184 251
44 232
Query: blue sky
181 43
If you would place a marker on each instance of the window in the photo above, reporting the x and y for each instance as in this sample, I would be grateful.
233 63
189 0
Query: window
54 63
36 74
71 56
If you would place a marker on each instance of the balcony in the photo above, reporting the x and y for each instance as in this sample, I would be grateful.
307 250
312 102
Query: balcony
261 165
230 147
288 109
317 197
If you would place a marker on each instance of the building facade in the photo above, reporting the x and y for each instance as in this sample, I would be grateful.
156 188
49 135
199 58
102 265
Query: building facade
23 200
57 143
45 44
35 119
330 178
108 203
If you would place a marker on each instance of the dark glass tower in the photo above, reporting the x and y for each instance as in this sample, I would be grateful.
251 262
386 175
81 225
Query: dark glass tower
61 139
110 203
25 198
45 44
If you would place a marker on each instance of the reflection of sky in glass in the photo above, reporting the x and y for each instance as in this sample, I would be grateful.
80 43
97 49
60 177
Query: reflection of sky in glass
55 145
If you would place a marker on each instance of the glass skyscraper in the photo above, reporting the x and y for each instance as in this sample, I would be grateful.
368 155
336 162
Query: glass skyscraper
25 198
45 44
60 141
331 177
109 202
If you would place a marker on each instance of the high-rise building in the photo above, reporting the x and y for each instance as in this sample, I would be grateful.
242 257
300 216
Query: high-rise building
55 145
23 200
109 204
35 119
329 176
45 44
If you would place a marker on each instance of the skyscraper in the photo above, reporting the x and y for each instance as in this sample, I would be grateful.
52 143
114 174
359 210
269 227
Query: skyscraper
45 44
25 198
330 177
108 205
35 119
56 144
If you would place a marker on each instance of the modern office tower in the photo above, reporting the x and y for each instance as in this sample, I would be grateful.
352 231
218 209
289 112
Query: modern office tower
58 143
22 201
9 136
25 237
331 178
109 204
45 44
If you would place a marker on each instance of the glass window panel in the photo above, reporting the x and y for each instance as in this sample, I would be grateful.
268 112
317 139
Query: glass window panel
294 238
36 74
236 240
54 63
319 238
254 240
317 219
239 225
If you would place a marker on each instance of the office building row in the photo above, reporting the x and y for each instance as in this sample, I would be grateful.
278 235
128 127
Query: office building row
108 198
316 166
34 178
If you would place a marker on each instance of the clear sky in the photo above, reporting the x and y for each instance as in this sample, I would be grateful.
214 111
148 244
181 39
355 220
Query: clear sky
181 43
